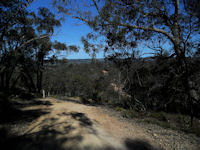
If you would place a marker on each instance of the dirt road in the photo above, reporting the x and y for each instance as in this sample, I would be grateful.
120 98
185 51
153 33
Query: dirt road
69 125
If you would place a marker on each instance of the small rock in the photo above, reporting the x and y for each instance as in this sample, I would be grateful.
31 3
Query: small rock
155 135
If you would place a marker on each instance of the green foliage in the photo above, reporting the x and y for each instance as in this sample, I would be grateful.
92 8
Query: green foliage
173 121
59 46
130 114
159 116
158 122
120 109
195 129
25 43
84 80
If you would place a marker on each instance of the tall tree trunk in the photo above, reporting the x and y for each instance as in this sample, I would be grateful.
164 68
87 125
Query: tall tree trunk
15 81
32 85
188 89
39 81
7 85
9 75
181 57
40 64
2 80
184 73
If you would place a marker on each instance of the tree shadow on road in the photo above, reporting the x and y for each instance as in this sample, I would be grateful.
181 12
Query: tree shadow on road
139 144
50 137
53 134
82 118
12 111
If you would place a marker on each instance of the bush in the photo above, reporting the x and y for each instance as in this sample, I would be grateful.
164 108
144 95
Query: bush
132 114
120 109
158 122
158 115
84 100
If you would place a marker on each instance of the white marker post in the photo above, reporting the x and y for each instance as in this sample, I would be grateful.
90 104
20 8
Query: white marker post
43 92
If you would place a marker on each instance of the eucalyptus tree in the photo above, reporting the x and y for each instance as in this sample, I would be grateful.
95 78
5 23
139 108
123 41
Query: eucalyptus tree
25 41
12 21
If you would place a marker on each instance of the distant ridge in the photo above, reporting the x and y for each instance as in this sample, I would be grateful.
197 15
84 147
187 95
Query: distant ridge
88 61
83 61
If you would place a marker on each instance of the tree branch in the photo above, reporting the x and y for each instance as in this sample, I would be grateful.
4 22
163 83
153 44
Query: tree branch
33 39
149 29
80 18
97 7
176 8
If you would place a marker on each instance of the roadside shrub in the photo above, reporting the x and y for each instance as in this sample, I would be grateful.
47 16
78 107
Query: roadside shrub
120 109
158 115
84 100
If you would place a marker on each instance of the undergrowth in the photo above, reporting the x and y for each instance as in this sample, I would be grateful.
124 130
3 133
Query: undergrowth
177 122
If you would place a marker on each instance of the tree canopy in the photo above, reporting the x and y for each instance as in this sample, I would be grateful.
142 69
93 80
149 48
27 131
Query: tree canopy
25 41
127 22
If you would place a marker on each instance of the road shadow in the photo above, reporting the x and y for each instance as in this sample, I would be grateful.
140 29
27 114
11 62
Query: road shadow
46 139
12 111
139 144
13 116
54 134
82 118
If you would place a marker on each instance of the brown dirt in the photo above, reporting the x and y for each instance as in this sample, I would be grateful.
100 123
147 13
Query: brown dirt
73 126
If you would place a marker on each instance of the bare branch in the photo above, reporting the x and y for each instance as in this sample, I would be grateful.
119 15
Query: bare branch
80 18
33 39
97 7
149 29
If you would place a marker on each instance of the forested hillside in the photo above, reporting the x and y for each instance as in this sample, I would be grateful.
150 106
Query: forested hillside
140 87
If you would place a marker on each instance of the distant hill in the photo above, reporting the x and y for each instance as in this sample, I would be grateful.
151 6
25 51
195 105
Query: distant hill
83 61
86 61
73 61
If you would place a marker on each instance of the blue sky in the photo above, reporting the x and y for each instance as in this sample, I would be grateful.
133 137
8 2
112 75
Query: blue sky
69 33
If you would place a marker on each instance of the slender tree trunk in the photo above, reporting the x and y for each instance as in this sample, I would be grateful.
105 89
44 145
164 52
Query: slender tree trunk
9 74
32 86
15 81
40 64
7 86
2 80
39 81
